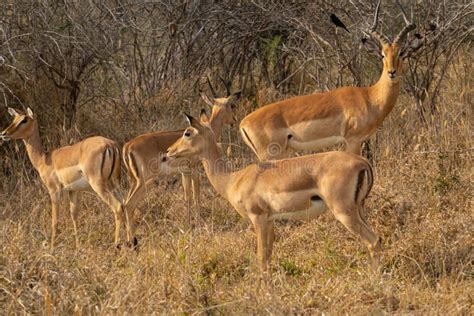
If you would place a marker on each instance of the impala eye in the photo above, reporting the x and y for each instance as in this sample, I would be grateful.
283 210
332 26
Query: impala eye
187 134
23 121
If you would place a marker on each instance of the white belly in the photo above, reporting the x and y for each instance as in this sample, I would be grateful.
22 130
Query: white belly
80 184
315 135
316 143
315 210
289 202
72 179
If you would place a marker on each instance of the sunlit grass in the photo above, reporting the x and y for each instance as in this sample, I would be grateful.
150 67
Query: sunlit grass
421 206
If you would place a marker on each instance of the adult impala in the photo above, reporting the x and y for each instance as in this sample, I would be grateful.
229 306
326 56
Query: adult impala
296 188
92 164
346 115
145 156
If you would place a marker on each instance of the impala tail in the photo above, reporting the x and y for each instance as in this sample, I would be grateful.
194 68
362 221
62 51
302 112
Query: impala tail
365 181
110 168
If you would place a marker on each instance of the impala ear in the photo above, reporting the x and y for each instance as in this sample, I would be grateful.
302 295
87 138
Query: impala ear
206 99
13 112
192 121
30 113
237 95
234 97
203 116
372 47
189 118
413 45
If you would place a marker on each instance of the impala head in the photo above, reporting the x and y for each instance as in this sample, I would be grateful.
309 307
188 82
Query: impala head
22 126
393 52
194 141
222 108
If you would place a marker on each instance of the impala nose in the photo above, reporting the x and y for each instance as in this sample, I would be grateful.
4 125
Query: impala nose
392 74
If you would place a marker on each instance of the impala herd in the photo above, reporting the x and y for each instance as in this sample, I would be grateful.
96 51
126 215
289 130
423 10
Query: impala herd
276 187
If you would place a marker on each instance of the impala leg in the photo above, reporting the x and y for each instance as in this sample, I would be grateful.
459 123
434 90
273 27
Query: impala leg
196 181
375 248
55 199
187 186
118 213
73 204
117 208
133 186
353 222
131 239
362 217
270 238
136 194
261 228
196 189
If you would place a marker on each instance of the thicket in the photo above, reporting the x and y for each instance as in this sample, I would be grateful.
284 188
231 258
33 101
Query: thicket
128 60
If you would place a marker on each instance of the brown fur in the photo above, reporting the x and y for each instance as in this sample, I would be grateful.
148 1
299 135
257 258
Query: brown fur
143 157
285 188
349 113
92 164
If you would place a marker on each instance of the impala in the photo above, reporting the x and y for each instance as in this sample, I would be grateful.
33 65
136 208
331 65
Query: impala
295 188
347 115
92 164
145 156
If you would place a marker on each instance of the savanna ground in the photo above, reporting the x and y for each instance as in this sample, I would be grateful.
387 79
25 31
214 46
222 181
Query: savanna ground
421 206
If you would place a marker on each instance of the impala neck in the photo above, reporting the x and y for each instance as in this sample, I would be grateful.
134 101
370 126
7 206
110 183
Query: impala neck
384 93
216 123
34 148
216 168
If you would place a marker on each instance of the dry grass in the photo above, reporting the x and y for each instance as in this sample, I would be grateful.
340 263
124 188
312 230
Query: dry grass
421 206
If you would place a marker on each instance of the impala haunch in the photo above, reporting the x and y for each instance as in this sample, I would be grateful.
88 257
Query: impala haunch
347 115
295 188
90 165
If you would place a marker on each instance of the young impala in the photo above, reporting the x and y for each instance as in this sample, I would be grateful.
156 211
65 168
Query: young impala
296 188
145 156
346 115
92 164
